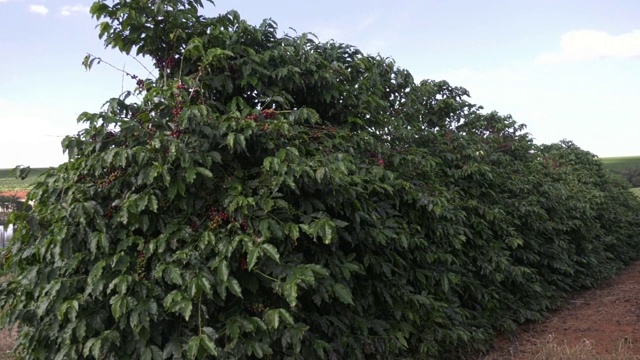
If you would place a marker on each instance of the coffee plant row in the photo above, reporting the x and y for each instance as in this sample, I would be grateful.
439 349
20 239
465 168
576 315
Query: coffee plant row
272 196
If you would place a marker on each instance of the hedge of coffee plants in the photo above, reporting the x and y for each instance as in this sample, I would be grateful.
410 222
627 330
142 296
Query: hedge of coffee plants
631 174
272 196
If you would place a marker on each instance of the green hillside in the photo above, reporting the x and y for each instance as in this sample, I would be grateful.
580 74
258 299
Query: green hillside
9 182
621 163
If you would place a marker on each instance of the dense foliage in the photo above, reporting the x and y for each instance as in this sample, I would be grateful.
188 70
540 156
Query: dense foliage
276 197
632 175
8 204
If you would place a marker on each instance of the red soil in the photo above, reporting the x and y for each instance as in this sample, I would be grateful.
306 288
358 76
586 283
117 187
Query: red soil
606 317
20 194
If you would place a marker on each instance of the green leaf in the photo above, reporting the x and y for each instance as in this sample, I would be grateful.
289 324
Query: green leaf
144 222
216 157
317 269
153 203
223 270
166 178
173 275
343 293
96 272
193 345
208 345
190 174
291 293
86 349
208 238
264 227
204 172
286 316
186 306
95 348
327 231
181 187
252 257
81 329
173 190
271 251
234 286
118 306
172 350
272 318
294 231
146 354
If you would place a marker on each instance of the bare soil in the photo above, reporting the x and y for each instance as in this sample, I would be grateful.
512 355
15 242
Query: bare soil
20 194
602 323
7 340
7 336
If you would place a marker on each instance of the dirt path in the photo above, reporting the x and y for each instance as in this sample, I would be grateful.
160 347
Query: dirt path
602 323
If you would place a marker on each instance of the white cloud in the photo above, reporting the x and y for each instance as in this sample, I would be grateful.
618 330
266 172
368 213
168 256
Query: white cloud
74 9
583 45
38 9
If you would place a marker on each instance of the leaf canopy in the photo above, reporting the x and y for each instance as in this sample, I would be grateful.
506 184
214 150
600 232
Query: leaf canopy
272 196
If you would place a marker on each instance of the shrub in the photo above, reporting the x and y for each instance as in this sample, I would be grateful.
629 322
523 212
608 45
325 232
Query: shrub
632 175
274 196
8 204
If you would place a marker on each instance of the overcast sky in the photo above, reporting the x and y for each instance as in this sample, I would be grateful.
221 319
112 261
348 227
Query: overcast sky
568 69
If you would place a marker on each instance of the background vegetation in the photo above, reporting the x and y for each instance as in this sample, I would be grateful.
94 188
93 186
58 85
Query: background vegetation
621 163
9 182
627 167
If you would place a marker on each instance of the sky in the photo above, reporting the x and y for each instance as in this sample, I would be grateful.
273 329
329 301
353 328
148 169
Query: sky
567 69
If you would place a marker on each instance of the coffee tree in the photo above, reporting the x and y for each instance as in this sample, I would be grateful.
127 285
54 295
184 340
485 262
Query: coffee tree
271 196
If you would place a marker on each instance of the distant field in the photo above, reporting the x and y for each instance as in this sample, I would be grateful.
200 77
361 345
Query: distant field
9 182
621 163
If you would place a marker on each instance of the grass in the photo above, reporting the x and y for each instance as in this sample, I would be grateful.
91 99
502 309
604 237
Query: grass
551 349
621 163
9 182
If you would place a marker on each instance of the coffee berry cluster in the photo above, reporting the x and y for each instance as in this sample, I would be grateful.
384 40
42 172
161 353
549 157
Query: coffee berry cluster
255 309
266 113
217 218
139 82
166 63
141 262
109 213
113 176
177 110
379 159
